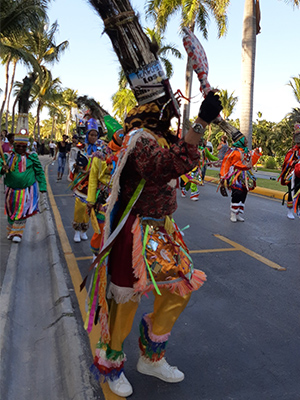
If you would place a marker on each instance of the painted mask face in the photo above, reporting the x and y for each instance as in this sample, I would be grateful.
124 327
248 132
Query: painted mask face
20 148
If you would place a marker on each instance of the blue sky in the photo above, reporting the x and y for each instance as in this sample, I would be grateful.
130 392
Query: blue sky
90 66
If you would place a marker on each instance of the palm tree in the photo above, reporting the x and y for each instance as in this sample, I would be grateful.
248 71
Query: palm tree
250 29
18 15
40 42
194 14
248 66
16 18
228 103
163 50
46 95
295 85
123 101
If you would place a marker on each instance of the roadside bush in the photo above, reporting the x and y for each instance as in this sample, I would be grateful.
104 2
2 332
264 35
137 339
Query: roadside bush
270 163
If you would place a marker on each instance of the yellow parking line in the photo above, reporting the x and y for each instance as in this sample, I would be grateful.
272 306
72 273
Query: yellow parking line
84 258
251 253
213 250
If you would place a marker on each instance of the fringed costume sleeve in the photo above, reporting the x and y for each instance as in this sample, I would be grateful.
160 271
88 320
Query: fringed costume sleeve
39 172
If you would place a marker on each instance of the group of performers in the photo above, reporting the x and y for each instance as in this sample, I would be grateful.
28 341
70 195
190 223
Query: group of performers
127 185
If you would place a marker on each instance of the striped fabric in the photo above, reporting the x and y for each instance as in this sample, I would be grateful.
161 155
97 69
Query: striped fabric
15 228
21 203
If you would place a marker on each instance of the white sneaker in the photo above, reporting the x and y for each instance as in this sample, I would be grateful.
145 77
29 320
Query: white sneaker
120 386
160 369
16 239
83 236
233 217
194 197
240 218
77 238
183 193
290 214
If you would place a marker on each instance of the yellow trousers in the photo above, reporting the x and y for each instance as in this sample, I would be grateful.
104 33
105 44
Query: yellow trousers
166 311
80 214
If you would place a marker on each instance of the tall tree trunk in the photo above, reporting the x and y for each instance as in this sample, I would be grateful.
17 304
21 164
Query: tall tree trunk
6 86
248 67
13 115
9 93
38 111
68 122
52 129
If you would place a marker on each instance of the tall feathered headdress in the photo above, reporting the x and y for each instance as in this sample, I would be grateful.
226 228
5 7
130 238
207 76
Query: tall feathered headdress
136 53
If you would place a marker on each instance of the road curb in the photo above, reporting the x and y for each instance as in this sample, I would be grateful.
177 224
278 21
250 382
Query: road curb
72 352
276 194
6 302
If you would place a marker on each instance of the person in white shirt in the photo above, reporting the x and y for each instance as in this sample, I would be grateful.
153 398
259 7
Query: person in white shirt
52 147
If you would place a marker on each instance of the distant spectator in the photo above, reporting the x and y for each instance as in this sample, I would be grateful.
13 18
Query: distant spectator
222 147
52 147
62 150
34 146
4 134
8 146
42 148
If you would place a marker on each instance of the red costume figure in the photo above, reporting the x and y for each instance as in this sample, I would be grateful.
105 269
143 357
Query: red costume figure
236 172
290 175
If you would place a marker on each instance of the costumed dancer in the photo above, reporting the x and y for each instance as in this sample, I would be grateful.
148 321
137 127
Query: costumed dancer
80 171
191 181
100 180
73 156
289 172
206 158
143 248
24 178
236 172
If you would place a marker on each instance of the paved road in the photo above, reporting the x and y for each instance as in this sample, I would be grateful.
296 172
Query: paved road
239 336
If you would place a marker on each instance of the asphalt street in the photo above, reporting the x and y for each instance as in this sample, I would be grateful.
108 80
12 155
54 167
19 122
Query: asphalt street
238 338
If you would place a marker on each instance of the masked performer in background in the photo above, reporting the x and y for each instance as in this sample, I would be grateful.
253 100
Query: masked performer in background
80 171
290 174
100 180
24 178
236 171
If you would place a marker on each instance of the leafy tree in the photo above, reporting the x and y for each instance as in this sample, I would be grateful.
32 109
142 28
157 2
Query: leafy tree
164 50
123 101
250 29
295 85
69 97
228 103
17 17
46 96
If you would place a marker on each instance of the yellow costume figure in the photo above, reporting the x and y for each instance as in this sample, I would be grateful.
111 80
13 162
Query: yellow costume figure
79 185
100 179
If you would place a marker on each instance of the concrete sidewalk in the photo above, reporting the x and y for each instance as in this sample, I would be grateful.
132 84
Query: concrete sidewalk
44 349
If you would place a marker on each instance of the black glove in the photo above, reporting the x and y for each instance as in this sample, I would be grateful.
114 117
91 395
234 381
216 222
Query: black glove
210 107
